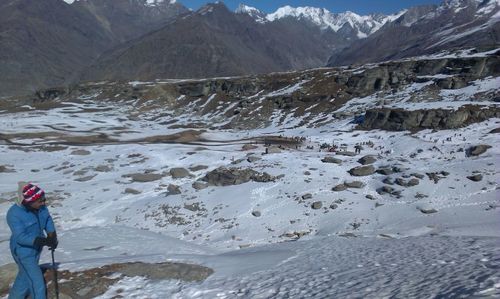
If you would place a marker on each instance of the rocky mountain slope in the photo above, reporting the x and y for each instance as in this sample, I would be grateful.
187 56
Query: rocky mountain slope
215 42
428 29
45 43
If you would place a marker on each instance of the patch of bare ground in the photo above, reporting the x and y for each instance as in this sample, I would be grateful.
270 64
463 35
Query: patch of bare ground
184 136
55 140
94 282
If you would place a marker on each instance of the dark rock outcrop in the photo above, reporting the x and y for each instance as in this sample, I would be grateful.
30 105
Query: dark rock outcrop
437 119
354 184
362 170
339 187
476 177
233 176
367 160
330 159
477 150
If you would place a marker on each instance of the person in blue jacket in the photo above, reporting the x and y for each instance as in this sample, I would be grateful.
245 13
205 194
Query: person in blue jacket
32 228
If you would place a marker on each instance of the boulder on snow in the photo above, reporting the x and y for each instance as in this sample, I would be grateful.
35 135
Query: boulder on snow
385 171
144 177
330 159
307 196
339 187
248 147
173 189
179 172
198 167
132 191
427 210
362 170
346 153
234 176
80 152
418 175
476 177
385 189
477 150
369 159
198 185
494 131
388 180
401 182
317 205
354 184
256 213
252 159
413 182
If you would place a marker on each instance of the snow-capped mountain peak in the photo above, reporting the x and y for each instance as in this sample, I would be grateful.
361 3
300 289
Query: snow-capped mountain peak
323 18
319 16
256 14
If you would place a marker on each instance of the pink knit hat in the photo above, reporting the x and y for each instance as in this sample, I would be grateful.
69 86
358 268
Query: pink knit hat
32 193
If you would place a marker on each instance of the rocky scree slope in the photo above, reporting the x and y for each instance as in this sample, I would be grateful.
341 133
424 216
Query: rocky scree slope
312 97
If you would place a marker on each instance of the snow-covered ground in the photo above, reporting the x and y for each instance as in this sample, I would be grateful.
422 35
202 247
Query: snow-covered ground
436 239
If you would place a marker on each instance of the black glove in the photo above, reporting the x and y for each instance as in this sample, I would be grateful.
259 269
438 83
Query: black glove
40 242
52 241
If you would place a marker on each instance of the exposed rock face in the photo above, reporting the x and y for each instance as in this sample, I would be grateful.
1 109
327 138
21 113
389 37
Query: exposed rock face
233 176
438 119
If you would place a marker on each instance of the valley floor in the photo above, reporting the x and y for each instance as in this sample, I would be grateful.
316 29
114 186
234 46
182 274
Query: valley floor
116 199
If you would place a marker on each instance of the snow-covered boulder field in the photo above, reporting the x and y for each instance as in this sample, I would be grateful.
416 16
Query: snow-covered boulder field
286 185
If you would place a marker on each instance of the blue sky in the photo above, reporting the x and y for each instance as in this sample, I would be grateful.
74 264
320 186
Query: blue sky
357 6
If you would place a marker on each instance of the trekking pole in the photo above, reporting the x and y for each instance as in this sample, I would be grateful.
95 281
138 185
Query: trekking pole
56 285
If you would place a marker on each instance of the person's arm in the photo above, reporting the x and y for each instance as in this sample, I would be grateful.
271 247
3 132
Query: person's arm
49 224
20 231
50 228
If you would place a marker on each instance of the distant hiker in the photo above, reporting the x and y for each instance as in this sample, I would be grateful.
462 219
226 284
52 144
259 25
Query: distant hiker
29 220
358 148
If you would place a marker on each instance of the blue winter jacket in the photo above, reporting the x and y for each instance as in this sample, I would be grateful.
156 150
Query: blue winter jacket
26 226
